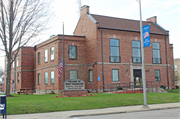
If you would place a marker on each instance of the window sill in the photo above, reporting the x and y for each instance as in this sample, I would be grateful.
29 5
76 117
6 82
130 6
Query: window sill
90 82
116 82
52 60
72 59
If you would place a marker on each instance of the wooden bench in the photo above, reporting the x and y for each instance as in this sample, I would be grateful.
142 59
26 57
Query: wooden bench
25 91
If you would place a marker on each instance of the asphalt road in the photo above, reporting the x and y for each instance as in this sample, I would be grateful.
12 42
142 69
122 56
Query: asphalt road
155 114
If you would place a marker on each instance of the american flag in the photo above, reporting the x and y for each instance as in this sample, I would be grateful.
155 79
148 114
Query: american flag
60 68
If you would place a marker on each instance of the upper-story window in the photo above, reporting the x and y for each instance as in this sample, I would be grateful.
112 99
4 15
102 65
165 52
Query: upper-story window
14 64
156 53
38 57
17 61
114 50
52 53
72 52
136 49
46 55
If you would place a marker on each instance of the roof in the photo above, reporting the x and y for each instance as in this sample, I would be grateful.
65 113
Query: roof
126 24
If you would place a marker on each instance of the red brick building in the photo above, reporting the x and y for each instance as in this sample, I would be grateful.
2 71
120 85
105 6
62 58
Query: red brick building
103 51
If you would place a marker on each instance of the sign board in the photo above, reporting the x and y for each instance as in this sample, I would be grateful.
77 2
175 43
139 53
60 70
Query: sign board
146 36
99 78
74 84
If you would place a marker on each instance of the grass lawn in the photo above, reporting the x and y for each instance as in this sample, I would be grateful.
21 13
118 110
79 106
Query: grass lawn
22 104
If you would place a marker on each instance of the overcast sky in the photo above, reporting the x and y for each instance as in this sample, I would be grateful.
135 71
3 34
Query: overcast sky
167 12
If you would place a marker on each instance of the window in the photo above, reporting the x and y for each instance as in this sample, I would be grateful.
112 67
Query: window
17 61
52 76
46 78
90 76
18 77
136 49
157 75
6 65
73 74
52 53
72 52
46 55
39 79
38 57
115 75
175 67
114 50
156 53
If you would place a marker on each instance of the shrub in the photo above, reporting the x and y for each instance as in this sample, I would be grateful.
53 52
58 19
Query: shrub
162 86
119 88
177 87
52 92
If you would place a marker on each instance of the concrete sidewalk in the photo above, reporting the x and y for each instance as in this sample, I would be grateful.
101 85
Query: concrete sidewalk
113 110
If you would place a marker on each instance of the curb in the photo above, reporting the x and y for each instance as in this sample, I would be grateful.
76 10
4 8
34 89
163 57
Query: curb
141 110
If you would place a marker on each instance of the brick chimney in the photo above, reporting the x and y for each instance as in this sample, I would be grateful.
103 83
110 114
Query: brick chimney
84 10
153 19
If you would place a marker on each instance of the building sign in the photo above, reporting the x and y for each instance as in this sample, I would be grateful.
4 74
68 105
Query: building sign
146 36
74 84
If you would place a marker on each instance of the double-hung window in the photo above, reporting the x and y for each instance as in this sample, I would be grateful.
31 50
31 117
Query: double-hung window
52 53
115 75
18 77
17 61
114 50
72 52
46 78
39 79
52 77
90 76
157 75
136 49
73 74
46 55
156 53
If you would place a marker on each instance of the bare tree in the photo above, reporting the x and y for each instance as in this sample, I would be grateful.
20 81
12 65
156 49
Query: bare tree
1 72
20 22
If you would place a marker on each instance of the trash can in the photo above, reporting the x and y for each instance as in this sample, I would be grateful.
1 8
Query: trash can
3 105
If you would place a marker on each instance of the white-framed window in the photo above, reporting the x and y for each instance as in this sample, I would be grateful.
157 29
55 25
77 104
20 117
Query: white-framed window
52 76
17 61
157 75
14 64
39 79
175 67
115 75
90 75
73 74
46 55
52 53
46 77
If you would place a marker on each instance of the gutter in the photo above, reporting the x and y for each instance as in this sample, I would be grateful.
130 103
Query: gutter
102 57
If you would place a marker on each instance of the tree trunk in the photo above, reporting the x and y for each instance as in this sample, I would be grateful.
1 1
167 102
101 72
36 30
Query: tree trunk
8 77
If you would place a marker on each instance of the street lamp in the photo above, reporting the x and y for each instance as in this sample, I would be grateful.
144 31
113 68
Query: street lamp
143 61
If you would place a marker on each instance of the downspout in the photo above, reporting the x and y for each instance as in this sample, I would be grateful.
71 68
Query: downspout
102 57
35 67
167 63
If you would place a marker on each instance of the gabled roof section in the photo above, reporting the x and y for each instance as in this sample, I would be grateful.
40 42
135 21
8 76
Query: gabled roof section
107 22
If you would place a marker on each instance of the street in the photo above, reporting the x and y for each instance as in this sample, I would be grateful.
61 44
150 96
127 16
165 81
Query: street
155 114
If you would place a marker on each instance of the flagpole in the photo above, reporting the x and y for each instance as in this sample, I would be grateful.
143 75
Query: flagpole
143 61
63 56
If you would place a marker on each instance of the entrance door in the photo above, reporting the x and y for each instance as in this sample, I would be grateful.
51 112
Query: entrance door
137 78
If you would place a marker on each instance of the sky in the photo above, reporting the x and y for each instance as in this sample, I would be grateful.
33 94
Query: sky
167 12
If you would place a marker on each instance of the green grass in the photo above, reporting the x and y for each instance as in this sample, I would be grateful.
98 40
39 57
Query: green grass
173 90
22 104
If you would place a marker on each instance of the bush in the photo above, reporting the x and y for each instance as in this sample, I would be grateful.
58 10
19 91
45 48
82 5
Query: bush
119 88
162 86
52 92
177 87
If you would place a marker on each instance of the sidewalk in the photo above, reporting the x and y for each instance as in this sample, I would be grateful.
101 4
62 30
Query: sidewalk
113 110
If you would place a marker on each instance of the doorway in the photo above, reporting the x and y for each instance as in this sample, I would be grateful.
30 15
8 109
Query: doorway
137 78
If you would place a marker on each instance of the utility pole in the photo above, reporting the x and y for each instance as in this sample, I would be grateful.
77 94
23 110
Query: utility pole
143 61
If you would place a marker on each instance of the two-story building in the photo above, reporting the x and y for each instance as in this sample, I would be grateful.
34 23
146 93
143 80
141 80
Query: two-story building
104 51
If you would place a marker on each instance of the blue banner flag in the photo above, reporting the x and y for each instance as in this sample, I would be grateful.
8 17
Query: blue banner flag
146 36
